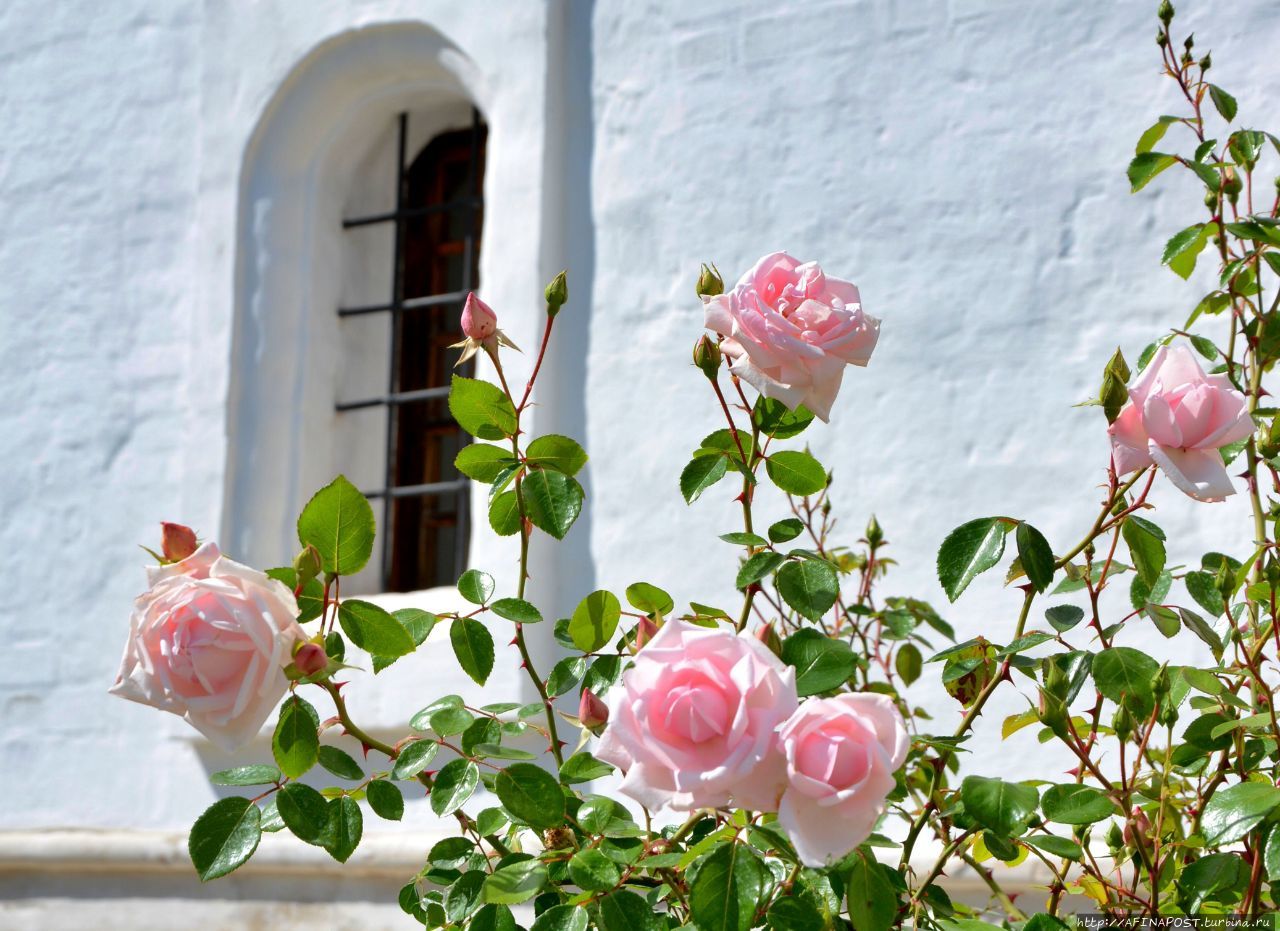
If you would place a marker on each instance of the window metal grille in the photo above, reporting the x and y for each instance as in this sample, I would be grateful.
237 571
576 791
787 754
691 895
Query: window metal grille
437 221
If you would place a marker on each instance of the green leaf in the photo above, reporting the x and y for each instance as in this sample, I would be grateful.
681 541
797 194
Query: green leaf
1181 252
374 630
909 663
1147 141
311 599
1210 874
583 767
796 473
339 763
562 918
595 621
414 757
969 550
726 888
246 776
626 911
566 674
1058 846
338 522
650 599
386 799
810 586
1224 102
473 646
1232 813
1076 804
1271 855
483 462
552 501
463 895
346 826
556 452
776 420
1035 555
224 837
756 566
1064 617
1004 807
305 812
1146 548
821 663
1124 675
592 871
1146 166
873 903
793 913
785 530
481 409
493 917
531 794
453 785
700 474
295 744
475 586
515 882
1202 587
744 539
516 609
504 514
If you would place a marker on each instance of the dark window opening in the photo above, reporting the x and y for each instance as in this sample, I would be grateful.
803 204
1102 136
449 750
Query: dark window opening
425 523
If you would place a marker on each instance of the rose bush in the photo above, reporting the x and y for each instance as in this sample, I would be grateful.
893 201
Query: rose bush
809 792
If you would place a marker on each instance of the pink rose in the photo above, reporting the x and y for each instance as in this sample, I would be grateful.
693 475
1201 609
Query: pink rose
479 322
692 722
790 330
841 754
208 642
1179 417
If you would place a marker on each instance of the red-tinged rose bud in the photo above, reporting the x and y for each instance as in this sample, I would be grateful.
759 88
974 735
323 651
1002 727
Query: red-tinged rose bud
1137 827
177 542
593 714
706 356
479 322
645 631
310 658
769 637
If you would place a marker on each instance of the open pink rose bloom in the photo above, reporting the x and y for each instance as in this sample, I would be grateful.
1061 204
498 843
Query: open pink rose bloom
692 724
208 642
789 330
841 754
1178 417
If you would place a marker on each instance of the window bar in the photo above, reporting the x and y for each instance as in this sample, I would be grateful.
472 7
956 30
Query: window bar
411 213
412 303
397 300
463 509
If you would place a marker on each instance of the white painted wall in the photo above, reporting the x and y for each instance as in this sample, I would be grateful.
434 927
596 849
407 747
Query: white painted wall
962 160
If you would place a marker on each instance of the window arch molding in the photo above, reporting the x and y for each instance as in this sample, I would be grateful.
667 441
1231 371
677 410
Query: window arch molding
301 167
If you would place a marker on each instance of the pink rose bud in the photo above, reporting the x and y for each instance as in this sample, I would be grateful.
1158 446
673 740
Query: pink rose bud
479 322
645 632
593 714
769 637
177 542
310 659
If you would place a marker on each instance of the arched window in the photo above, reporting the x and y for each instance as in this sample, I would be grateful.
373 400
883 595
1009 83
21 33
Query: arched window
436 222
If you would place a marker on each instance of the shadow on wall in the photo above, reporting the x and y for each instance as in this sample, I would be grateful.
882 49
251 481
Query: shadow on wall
568 243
